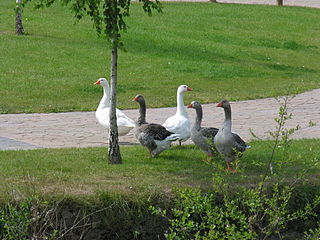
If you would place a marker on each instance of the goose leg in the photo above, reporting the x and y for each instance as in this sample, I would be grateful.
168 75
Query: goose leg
150 152
153 153
229 168
209 156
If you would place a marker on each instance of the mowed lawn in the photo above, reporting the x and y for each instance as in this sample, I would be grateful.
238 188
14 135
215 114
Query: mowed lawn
220 50
85 172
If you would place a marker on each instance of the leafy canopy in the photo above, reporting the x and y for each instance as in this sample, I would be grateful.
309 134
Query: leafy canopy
108 16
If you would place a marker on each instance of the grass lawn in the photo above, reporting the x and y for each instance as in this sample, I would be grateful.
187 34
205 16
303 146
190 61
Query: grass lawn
85 172
221 50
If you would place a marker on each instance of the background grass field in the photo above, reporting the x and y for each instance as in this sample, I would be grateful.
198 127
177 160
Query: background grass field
220 50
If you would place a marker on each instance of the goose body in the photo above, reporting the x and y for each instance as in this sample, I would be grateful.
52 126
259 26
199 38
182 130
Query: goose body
154 137
125 124
227 143
203 137
179 123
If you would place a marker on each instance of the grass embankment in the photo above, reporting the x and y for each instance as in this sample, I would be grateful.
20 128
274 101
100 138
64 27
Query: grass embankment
221 50
74 192
85 172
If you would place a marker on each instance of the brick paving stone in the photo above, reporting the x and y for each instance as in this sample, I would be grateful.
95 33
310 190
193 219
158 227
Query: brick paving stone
301 3
80 129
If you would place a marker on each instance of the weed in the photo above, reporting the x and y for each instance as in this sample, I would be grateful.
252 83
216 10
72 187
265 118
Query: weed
15 221
313 234
259 212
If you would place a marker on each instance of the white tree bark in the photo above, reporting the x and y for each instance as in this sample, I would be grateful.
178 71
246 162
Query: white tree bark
114 150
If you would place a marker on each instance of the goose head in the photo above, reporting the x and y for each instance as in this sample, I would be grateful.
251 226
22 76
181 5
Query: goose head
183 88
138 98
194 104
224 104
105 100
142 109
103 82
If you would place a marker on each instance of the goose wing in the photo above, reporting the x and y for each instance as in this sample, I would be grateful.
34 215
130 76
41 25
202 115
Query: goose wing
157 131
240 144
209 132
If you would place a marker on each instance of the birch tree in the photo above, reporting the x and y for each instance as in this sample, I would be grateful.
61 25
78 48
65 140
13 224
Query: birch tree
18 10
108 17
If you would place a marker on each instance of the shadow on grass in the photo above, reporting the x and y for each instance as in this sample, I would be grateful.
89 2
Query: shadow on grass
186 52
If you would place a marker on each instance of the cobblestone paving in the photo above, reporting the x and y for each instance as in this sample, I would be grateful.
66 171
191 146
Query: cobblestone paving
80 129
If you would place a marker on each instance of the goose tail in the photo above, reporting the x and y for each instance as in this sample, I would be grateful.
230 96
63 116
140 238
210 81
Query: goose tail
173 137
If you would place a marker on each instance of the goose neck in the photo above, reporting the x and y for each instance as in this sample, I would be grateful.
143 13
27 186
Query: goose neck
142 113
105 101
181 109
227 119
197 123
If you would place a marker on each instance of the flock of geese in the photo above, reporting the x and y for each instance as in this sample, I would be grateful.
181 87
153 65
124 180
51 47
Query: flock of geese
157 138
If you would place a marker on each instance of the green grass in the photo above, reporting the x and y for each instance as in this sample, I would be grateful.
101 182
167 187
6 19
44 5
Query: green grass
85 171
221 50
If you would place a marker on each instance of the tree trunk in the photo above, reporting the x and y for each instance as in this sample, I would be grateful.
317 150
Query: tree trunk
114 150
280 2
19 26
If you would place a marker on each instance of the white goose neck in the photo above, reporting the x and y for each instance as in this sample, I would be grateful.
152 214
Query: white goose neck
181 109
105 101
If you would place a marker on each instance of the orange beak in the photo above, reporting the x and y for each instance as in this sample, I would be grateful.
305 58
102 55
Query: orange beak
219 104
135 99
189 106
189 89
97 82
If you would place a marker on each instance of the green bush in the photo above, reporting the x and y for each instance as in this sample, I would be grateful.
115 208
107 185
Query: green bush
199 216
246 214
15 221
313 234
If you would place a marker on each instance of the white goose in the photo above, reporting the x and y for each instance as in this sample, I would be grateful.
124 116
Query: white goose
125 124
179 123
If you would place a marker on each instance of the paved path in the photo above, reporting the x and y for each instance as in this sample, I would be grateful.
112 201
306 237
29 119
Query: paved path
80 129
302 3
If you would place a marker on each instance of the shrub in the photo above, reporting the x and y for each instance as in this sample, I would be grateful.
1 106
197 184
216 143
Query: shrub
15 221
